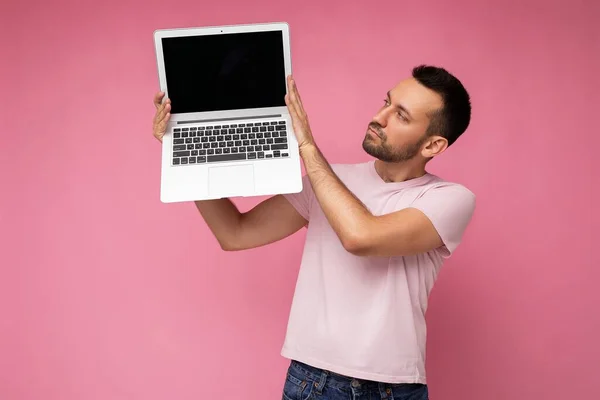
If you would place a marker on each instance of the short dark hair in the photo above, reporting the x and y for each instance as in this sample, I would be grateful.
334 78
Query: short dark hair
454 117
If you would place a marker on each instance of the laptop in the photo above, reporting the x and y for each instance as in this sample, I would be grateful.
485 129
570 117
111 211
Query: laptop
230 133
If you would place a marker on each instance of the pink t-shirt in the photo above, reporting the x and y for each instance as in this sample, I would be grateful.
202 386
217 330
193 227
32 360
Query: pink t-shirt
365 316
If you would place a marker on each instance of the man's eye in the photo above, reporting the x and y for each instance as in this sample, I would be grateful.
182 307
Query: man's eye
402 117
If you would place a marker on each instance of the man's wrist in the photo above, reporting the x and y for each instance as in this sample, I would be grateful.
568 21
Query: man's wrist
308 149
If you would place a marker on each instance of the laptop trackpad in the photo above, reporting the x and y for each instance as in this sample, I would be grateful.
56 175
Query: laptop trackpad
231 181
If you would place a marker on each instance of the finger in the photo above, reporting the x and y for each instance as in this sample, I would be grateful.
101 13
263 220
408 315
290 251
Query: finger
164 122
161 128
293 99
160 114
291 107
297 93
158 99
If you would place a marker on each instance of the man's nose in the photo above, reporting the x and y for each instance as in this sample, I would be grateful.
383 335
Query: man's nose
381 118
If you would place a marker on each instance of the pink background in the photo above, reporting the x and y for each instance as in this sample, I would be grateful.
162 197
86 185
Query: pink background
106 293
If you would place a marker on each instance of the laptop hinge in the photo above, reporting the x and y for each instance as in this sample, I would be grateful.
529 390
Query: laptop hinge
229 119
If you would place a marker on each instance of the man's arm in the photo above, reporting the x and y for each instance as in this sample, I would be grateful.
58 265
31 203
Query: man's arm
403 232
269 221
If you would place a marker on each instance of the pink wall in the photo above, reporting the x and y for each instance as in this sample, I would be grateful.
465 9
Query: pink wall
105 293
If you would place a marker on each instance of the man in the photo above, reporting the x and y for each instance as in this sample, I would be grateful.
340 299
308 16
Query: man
378 233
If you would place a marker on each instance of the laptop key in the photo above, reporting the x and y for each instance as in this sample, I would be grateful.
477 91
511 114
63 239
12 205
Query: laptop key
251 156
179 147
181 154
282 146
227 157
260 154
192 160
176 161
200 159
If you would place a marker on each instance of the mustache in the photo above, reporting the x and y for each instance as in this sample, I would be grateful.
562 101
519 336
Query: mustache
377 128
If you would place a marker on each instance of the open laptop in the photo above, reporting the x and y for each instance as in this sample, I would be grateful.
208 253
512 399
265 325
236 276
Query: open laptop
230 133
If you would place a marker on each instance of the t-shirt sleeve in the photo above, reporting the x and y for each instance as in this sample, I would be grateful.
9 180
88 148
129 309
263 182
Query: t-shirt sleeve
302 200
450 209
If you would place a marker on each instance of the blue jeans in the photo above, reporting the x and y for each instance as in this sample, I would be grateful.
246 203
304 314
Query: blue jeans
304 382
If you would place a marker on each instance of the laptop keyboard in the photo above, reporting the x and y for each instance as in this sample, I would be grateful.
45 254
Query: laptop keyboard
232 142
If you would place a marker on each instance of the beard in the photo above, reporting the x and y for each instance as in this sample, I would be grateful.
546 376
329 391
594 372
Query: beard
381 149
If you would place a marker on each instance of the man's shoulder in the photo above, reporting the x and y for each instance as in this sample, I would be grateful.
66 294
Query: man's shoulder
442 185
447 191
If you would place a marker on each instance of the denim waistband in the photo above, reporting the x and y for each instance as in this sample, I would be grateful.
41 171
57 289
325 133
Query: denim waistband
333 379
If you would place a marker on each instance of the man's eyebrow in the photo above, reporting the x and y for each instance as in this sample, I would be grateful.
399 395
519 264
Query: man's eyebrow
399 106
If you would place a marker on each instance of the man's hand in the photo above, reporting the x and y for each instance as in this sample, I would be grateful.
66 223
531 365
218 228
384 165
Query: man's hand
299 117
162 116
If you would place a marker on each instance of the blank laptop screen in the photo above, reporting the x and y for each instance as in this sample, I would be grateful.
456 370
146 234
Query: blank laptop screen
225 71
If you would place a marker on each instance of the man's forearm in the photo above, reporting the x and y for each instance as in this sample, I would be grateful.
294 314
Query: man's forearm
223 219
346 214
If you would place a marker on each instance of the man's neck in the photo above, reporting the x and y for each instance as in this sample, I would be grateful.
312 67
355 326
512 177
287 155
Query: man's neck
399 172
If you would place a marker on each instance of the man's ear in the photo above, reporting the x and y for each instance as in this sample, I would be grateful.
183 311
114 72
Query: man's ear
434 146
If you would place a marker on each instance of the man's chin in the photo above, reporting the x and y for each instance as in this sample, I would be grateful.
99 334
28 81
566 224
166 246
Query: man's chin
370 149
